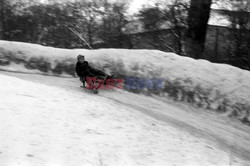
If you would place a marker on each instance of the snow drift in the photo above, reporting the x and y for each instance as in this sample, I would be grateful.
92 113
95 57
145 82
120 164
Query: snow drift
212 86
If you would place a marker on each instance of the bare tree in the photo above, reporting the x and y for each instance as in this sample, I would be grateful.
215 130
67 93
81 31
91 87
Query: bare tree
113 21
239 33
169 17
89 20
176 15
151 17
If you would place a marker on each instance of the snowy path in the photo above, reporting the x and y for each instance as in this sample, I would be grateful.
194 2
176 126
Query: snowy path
51 121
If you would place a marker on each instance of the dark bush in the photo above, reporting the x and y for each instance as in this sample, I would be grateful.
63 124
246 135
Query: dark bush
44 66
58 68
32 63
4 62
69 69
39 63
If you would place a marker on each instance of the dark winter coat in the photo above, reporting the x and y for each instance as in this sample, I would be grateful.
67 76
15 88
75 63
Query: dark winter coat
83 69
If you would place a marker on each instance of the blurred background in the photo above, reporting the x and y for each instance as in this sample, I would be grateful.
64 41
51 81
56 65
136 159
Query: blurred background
218 31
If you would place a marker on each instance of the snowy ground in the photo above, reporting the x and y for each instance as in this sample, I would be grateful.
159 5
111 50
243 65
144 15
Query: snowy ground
51 121
48 120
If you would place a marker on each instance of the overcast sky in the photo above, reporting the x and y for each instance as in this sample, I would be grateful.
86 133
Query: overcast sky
135 5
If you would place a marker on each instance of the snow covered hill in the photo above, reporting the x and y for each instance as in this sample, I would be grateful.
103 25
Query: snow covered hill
166 65
52 126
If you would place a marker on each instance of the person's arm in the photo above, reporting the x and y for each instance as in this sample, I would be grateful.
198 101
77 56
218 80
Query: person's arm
87 69
78 69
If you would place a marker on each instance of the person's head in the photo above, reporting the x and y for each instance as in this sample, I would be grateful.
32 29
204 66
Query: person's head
80 58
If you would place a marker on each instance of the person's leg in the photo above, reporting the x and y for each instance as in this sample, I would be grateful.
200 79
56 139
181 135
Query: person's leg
101 75
98 72
83 80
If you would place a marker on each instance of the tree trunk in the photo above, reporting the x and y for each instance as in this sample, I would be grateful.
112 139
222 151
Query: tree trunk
1 19
198 16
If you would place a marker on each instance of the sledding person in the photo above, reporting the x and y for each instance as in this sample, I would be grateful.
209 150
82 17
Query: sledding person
83 70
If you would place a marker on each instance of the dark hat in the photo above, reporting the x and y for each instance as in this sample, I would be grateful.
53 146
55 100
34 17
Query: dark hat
80 56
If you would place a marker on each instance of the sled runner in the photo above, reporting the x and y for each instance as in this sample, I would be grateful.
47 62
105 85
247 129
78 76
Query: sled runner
94 77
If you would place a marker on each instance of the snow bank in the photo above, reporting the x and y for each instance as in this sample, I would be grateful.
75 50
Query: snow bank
219 87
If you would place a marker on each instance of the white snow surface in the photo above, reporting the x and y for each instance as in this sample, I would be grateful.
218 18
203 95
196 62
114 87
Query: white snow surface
49 121
51 126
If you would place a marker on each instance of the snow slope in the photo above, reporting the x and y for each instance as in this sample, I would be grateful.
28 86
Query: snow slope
45 125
